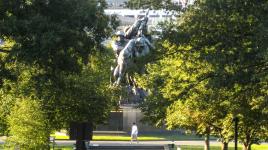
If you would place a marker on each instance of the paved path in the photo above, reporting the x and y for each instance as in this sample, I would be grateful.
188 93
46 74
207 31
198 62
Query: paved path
125 143
145 143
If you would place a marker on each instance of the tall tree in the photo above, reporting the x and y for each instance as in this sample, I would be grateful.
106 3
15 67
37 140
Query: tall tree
220 50
52 45
55 35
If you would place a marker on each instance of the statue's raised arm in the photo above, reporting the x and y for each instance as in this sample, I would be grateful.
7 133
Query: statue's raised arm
139 26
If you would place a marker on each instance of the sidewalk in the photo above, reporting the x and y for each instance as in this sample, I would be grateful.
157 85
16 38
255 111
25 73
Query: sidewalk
126 143
140 143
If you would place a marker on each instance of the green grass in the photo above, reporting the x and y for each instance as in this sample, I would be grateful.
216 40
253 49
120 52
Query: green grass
142 137
63 148
191 147
260 147
113 138
179 137
60 137
125 138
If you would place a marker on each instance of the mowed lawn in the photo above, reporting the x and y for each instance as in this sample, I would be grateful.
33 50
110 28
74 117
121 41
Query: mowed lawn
217 147
113 138
142 137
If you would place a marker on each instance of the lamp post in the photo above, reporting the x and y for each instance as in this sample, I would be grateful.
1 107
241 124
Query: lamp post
236 131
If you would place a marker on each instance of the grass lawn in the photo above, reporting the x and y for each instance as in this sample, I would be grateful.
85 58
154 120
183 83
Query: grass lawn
113 138
142 137
125 138
231 147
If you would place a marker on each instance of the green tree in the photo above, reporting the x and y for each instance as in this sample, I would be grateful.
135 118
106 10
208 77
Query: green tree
6 101
27 126
81 97
51 58
217 60
12 89
56 35
84 97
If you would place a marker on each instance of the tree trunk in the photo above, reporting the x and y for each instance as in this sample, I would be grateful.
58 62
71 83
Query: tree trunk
224 146
82 133
247 143
246 146
207 146
80 145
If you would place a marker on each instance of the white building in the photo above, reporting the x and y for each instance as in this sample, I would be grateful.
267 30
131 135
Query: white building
121 3
116 3
128 16
184 3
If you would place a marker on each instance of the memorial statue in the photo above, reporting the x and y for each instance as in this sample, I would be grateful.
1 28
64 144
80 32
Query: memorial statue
137 46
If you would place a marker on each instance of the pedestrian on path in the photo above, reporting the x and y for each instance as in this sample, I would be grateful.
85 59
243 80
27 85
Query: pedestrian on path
134 133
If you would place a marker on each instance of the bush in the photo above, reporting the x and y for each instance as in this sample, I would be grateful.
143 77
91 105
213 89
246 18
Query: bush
27 126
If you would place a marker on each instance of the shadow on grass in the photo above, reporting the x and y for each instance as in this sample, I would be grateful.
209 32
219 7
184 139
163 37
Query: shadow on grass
142 137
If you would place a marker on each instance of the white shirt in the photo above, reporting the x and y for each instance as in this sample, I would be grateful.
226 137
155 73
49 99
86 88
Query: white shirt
134 130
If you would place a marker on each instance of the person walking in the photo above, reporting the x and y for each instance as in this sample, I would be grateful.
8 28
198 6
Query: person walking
134 133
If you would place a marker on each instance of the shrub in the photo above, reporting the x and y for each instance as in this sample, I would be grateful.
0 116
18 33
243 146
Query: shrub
27 126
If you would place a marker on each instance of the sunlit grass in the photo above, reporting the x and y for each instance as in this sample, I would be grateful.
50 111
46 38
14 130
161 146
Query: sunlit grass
260 147
230 147
142 137
125 138
112 138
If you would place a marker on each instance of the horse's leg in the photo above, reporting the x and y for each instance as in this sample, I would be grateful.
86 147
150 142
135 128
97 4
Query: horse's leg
129 79
133 81
116 72
112 77
122 71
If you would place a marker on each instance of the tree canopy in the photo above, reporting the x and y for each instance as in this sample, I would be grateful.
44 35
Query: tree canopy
53 52
213 66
